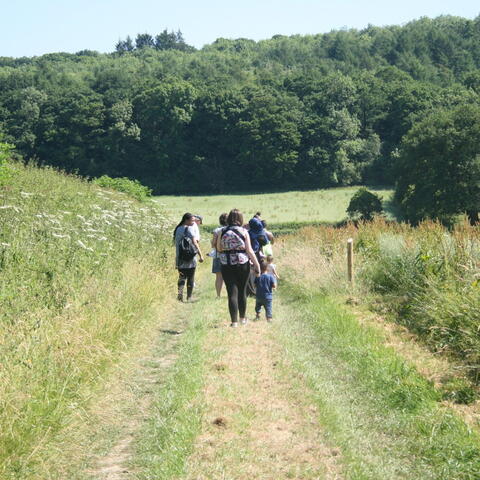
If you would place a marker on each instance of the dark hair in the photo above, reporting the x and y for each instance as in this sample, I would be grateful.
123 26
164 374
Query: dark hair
235 217
222 219
258 214
186 216
263 266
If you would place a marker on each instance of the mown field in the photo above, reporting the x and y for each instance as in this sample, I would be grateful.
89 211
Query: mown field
296 207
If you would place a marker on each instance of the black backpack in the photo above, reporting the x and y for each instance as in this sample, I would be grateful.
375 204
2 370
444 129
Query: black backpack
186 248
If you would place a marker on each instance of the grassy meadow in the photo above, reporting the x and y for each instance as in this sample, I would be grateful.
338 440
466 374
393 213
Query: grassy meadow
301 207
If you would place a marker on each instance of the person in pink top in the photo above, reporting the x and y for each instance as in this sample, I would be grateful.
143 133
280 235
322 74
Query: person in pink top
235 252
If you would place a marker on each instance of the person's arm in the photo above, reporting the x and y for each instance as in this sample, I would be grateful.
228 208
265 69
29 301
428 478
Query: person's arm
213 243
251 254
219 243
195 242
270 236
275 273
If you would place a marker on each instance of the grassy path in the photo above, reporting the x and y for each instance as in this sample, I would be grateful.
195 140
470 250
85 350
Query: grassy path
256 422
117 419
314 395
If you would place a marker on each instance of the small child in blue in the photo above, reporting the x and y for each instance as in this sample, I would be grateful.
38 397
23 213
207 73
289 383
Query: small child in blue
265 284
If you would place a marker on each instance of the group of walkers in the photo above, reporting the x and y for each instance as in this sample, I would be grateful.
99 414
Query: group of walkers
242 259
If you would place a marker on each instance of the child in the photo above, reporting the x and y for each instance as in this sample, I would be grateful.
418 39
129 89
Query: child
271 268
265 283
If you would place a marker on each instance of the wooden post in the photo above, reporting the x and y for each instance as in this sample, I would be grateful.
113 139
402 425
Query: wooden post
350 260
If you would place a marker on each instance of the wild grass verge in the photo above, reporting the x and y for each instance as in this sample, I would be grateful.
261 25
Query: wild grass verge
384 416
80 268
427 278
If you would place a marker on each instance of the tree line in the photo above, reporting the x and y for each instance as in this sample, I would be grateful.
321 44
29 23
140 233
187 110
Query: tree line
369 106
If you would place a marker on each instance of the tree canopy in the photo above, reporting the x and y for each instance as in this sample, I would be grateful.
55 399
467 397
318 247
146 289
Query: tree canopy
314 111
439 165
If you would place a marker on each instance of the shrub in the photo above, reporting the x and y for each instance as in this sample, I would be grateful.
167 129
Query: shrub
364 204
125 185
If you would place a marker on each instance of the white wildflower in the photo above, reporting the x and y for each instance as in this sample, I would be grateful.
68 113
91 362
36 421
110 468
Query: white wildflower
84 246
13 207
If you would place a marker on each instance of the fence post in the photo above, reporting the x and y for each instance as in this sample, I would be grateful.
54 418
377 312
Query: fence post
350 260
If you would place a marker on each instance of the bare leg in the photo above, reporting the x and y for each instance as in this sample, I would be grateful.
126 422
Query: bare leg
218 283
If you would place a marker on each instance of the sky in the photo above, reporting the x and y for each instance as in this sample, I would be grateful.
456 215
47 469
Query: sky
35 27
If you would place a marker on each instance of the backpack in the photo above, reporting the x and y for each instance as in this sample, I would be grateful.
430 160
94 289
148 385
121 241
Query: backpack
232 239
186 248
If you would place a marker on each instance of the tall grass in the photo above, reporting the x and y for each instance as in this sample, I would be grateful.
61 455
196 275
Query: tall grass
428 277
79 268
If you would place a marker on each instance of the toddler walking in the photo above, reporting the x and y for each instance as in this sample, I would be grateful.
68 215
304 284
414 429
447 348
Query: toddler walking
265 284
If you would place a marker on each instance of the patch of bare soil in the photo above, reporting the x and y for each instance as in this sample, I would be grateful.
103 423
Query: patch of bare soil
257 425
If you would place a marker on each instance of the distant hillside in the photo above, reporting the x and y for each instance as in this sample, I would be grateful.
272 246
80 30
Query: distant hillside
290 112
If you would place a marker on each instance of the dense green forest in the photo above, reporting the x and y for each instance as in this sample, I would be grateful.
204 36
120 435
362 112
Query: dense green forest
388 105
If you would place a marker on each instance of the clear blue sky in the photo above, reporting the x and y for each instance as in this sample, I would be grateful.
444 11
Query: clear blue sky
35 27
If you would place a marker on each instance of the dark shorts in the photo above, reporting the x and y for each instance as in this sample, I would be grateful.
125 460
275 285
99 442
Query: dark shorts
216 265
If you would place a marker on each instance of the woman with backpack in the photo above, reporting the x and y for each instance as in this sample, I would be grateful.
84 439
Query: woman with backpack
186 250
235 251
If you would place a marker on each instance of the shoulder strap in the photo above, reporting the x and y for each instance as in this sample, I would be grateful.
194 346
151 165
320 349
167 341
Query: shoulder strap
234 230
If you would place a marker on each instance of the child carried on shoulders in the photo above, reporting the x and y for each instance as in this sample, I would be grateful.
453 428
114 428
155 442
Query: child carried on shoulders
271 267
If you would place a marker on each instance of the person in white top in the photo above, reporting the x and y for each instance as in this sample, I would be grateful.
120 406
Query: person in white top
271 267
195 229
216 264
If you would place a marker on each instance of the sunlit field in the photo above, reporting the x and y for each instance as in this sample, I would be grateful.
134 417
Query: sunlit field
278 208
